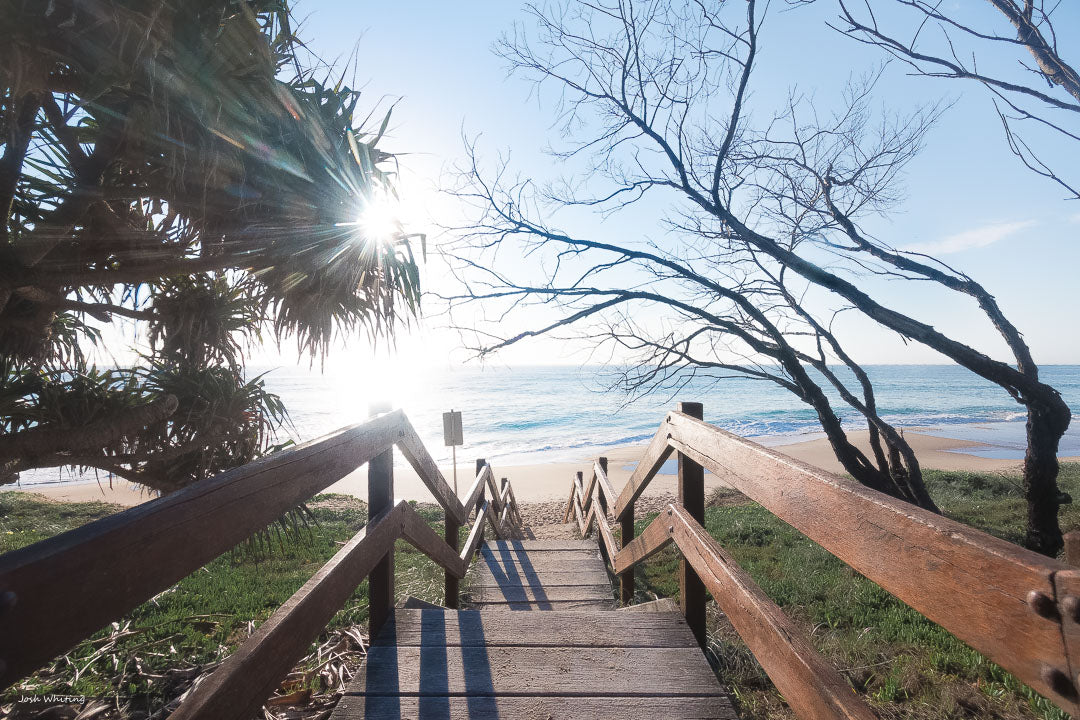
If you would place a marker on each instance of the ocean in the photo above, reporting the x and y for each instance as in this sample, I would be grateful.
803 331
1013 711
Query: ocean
554 413
525 415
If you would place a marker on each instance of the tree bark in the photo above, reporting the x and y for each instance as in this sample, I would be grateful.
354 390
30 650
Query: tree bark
1048 419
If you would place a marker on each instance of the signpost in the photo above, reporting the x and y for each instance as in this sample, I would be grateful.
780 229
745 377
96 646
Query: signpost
451 423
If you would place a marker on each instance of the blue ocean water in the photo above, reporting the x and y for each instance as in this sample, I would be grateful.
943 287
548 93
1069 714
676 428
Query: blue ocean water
555 413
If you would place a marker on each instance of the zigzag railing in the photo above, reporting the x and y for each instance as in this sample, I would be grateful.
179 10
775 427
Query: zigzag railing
116 563
1020 609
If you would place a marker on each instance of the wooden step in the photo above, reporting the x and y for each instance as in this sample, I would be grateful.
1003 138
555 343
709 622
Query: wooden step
598 628
533 708
448 664
539 575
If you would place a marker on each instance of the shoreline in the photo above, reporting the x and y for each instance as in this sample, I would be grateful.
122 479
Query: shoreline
550 481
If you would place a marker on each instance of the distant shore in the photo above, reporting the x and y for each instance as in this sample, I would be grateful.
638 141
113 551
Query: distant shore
546 481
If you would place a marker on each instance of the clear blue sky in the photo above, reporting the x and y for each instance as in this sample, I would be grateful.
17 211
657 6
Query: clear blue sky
966 194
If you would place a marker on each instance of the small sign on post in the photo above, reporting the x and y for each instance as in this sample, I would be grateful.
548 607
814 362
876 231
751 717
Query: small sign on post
451 422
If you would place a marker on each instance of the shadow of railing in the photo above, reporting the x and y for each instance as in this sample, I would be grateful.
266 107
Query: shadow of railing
509 580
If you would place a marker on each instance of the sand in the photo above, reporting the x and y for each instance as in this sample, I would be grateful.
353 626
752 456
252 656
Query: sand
545 482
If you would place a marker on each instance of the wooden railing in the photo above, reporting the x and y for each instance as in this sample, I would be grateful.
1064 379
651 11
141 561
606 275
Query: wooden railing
1020 609
59 591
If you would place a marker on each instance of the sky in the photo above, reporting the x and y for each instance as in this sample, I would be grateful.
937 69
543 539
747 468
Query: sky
967 198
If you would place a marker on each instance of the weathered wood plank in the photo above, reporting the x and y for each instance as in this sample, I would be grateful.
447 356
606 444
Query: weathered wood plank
517 557
451 582
412 447
354 707
626 536
536 671
558 560
124 559
543 545
578 512
475 534
571 629
542 593
545 605
919 557
812 686
493 489
586 524
1067 593
655 538
691 495
476 490
238 688
587 493
605 485
416 530
655 455
514 504
588 576
380 485
570 503
603 528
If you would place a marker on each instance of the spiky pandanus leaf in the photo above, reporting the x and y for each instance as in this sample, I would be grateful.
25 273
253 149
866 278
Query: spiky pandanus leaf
178 164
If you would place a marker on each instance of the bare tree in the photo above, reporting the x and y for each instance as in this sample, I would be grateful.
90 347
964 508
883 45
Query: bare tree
763 219
1009 47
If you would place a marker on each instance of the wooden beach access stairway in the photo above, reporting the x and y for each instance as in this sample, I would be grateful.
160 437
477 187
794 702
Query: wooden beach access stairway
540 638
539 634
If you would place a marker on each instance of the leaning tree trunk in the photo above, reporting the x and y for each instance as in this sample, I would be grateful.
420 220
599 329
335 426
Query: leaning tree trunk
861 468
1048 419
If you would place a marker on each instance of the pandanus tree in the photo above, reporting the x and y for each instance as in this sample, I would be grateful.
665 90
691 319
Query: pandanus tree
184 168
763 213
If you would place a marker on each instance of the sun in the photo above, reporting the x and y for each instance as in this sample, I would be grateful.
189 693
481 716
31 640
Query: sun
380 219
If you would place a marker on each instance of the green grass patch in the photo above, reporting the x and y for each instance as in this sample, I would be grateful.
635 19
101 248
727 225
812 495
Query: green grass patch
154 652
903 664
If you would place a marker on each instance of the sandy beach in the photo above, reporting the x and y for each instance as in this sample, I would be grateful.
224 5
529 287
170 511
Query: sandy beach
550 481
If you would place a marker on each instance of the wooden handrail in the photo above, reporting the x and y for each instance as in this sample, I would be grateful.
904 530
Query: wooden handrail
477 489
412 447
996 596
605 485
482 515
238 688
602 525
812 687
261 661
655 455
122 560
1020 609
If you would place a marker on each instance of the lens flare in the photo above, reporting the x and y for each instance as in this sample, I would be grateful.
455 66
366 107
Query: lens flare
380 218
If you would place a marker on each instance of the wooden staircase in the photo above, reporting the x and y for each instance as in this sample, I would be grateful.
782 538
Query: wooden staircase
539 635
541 638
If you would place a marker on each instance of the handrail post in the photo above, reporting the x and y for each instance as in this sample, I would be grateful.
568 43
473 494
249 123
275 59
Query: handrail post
380 497
626 525
601 500
480 463
453 539
692 499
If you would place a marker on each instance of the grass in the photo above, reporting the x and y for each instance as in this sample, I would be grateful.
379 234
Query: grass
903 664
154 653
